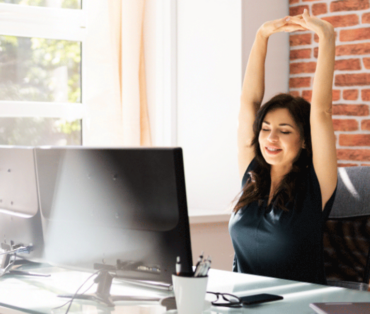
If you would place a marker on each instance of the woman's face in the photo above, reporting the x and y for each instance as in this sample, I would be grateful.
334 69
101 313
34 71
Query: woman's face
279 138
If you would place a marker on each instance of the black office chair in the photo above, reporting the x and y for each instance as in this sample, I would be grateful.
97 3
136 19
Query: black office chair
347 231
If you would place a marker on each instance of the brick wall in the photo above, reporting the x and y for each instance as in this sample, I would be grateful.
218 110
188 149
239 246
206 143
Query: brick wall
351 87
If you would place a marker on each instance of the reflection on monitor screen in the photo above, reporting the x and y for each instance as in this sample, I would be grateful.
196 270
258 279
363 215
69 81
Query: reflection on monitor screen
122 210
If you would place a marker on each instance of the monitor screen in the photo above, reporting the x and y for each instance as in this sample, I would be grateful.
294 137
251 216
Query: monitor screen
20 220
122 210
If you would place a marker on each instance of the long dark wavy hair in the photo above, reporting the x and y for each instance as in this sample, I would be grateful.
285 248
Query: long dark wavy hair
257 186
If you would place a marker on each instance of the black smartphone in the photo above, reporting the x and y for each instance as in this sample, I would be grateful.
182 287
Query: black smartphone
260 298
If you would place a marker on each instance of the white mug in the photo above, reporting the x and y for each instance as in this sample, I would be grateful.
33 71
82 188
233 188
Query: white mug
190 293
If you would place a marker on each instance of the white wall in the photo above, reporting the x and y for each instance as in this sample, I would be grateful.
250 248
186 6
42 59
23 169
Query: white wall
255 13
208 91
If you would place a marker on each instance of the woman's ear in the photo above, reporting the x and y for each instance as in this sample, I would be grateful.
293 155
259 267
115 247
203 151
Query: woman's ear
303 145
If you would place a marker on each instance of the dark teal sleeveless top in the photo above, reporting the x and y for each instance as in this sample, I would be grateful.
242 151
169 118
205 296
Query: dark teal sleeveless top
282 244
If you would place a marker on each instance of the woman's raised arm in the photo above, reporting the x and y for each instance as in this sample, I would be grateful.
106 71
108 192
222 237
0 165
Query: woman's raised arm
322 131
254 87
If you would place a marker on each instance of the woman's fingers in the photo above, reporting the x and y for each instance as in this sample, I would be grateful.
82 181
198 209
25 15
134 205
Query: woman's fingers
293 29
297 20
305 14
290 28
285 24
281 22
294 23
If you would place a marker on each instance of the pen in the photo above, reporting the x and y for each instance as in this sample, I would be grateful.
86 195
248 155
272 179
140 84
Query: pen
199 261
207 266
178 266
199 270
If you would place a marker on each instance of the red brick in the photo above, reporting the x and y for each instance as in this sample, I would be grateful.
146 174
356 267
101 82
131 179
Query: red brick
307 95
353 154
293 1
296 82
354 34
342 20
298 9
294 93
302 67
349 5
300 54
365 165
367 63
365 94
347 65
354 139
310 0
345 125
319 8
302 39
351 110
347 165
365 125
366 18
336 94
350 94
354 49
352 79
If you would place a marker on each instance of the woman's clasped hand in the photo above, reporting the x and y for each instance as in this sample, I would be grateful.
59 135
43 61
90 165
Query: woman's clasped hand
301 22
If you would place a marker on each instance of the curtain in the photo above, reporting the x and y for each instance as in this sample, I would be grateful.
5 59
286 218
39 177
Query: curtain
115 74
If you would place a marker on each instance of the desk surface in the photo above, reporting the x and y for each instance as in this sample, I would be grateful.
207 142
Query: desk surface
39 295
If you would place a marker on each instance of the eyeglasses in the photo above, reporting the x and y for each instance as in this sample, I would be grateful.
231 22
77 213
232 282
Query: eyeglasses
226 299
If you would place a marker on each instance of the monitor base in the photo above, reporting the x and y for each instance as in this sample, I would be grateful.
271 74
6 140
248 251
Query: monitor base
102 294
7 266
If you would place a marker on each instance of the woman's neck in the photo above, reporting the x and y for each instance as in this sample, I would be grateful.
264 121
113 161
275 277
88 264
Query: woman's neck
277 173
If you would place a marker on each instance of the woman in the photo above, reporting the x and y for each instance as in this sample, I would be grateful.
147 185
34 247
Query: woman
287 163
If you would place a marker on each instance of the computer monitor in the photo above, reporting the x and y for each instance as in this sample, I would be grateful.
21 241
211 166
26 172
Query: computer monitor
20 219
122 210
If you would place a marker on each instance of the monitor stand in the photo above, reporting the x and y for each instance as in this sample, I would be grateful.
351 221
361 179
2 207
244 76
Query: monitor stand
102 294
6 265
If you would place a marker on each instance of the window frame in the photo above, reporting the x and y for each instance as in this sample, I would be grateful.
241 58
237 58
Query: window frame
50 23
166 73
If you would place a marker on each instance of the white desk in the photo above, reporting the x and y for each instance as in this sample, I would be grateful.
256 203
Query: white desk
39 295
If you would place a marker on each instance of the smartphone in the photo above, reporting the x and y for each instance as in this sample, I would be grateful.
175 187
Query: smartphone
260 298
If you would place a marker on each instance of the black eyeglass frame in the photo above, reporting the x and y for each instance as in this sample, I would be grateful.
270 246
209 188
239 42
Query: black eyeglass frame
224 296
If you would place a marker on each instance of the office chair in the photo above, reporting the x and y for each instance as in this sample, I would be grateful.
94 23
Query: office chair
347 231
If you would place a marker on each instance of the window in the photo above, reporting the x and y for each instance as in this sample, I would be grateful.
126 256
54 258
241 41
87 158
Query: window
41 75
65 4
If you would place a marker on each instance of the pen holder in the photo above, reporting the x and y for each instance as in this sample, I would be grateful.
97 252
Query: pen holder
190 293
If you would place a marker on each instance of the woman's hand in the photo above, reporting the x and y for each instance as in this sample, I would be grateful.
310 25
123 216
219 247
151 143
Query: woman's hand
281 25
320 27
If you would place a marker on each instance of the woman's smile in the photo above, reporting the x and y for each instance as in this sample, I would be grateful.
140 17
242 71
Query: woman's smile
272 150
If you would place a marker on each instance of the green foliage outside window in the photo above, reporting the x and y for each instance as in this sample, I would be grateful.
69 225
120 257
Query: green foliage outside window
66 4
29 72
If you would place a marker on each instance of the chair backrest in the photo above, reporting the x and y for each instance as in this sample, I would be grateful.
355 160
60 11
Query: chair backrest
347 231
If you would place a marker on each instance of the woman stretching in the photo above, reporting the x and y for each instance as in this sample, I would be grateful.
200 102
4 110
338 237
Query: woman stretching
287 164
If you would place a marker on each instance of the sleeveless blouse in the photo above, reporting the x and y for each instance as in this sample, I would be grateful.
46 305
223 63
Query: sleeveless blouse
269 241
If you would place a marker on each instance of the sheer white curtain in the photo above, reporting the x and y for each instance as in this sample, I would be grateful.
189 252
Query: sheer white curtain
115 89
